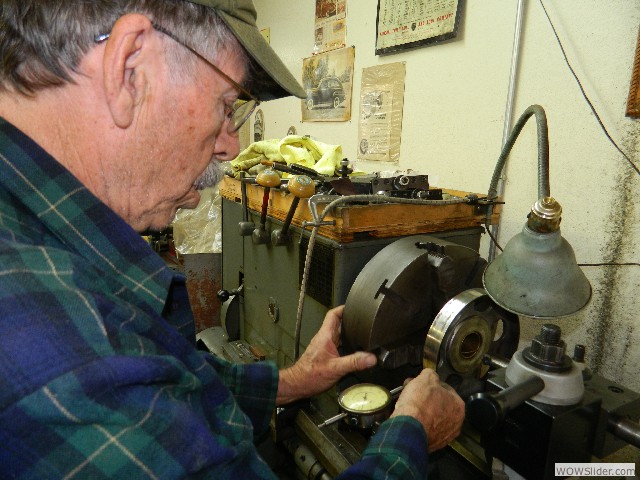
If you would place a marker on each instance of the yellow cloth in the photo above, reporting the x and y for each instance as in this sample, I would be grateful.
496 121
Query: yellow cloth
303 150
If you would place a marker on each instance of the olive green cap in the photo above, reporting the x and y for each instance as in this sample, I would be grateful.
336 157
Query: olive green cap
240 16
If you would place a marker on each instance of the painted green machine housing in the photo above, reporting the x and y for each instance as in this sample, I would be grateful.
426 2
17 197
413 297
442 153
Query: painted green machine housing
271 277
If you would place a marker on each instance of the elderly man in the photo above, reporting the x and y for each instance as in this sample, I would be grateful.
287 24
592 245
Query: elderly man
114 114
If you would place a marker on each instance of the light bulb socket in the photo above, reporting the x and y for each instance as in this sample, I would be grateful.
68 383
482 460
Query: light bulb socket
545 215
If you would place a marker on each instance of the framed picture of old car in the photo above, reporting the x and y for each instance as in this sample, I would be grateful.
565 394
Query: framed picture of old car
328 79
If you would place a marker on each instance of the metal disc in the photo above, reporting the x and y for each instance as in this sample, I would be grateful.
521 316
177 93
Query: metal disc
468 327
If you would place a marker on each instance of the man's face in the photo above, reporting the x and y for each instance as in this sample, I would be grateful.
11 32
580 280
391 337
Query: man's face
189 139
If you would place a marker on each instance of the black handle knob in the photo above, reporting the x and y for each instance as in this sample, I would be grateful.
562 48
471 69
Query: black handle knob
485 411
224 295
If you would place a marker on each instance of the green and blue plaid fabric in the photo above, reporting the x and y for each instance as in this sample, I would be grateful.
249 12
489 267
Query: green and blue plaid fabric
99 377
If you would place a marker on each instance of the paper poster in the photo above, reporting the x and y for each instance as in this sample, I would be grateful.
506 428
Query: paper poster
330 26
375 123
381 105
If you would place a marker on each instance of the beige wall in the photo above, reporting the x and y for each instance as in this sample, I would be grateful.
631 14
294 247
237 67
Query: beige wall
454 114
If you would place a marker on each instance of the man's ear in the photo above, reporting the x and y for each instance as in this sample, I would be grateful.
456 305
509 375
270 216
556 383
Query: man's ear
124 65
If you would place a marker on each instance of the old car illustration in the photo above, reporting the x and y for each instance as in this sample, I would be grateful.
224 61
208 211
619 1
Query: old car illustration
328 93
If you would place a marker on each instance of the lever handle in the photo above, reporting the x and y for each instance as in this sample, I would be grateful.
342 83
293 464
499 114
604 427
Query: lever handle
485 411
246 227
300 186
268 179
224 295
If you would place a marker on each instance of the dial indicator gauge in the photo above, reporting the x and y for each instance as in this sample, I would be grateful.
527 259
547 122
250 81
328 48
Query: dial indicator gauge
364 398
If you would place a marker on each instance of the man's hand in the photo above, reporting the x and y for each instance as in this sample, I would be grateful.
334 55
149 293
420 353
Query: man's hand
435 405
321 366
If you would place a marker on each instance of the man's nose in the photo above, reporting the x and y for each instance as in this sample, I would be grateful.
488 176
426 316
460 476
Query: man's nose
227 145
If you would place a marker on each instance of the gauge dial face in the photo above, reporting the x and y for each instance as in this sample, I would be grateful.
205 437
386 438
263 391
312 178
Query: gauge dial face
364 398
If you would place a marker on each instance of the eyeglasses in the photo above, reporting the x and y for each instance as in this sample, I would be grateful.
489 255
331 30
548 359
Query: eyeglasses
237 115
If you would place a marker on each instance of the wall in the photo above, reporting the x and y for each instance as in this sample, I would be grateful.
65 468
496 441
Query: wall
454 115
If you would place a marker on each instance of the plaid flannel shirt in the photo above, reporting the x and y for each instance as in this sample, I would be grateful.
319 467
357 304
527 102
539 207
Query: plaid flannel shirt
99 377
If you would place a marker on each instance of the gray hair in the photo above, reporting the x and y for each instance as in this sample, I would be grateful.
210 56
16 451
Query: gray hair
42 42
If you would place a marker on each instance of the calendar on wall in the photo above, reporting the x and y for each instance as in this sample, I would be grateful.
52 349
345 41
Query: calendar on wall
405 24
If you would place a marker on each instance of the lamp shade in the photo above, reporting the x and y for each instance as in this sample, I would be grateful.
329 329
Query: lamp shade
537 276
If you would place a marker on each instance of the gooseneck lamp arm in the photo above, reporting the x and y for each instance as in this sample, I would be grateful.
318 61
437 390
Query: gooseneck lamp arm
543 153
537 274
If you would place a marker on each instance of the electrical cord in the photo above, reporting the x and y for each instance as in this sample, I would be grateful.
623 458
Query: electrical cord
627 264
494 239
584 94
604 129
